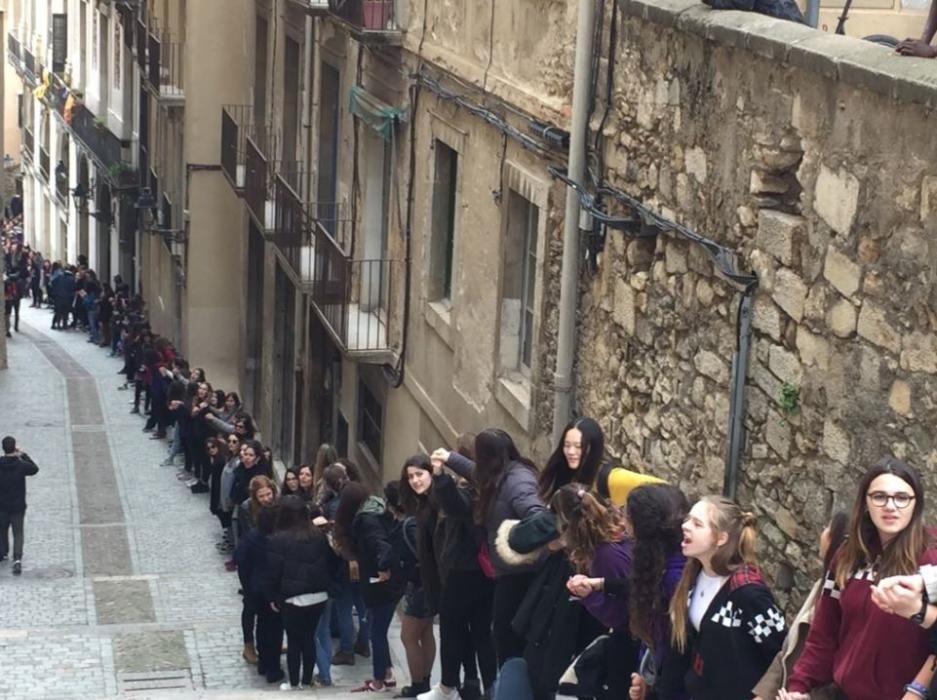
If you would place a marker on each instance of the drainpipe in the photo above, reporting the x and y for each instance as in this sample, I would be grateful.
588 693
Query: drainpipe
812 14
739 373
569 275
306 117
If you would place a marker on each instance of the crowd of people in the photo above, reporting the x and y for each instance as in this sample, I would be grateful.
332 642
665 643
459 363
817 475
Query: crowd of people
575 577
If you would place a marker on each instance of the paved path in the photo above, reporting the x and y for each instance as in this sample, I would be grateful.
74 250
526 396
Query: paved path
123 593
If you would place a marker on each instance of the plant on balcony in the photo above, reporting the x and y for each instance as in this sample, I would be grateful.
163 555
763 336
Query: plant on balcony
117 170
100 124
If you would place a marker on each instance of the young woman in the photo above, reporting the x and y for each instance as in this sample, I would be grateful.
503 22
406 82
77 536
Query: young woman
226 504
507 489
366 532
291 483
731 630
452 575
831 539
306 482
868 653
408 499
655 515
251 558
217 458
577 458
301 567
325 456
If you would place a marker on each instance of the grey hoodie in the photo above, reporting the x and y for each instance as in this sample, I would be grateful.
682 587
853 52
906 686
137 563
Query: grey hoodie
518 496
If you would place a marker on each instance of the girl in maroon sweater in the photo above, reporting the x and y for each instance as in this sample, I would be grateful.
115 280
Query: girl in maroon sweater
870 654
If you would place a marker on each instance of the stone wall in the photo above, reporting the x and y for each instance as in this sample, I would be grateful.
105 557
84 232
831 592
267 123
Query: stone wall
811 155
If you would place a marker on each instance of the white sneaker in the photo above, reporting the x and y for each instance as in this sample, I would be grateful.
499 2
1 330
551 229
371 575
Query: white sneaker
285 685
437 693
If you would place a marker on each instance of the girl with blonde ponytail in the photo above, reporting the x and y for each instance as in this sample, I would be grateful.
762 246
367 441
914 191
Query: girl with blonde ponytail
726 625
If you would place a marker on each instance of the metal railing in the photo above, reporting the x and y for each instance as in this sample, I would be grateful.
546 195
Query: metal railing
29 64
236 122
44 162
353 297
313 7
28 144
370 17
61 188
165 69
292 234
140 35
15 51
104 145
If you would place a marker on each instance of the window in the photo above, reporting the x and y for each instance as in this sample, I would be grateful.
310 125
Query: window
327 187
442 246
519 282
370 420
118 49
59 42
94 37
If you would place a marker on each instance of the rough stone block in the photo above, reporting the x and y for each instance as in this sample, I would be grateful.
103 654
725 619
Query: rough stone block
899 398
836 198
779 233
817 301
786 522
841 272
841 319
814 349
675 258
695 161
766 318
623 312
785 365
836 442
928 197
704 292
874 327
778 435
790 293
767 183
711 365
919 353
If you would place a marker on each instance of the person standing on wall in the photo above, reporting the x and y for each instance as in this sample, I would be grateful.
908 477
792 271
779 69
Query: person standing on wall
15 466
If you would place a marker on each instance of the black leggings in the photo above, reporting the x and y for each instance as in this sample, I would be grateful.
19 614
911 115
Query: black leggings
510 590
300 624
465 627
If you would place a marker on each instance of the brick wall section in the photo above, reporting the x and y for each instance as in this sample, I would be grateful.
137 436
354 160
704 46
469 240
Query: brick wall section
813 156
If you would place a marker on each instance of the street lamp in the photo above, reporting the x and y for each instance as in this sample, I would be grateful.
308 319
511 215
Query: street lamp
81 195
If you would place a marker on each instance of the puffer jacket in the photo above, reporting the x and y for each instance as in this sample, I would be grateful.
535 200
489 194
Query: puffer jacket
378 541
518 496
13 472
300 563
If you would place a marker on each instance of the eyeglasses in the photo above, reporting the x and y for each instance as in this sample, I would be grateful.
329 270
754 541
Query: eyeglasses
212 447
880 499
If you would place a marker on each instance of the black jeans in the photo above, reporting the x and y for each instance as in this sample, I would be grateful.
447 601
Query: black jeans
300 624
269 634
14 520
510 590
465 627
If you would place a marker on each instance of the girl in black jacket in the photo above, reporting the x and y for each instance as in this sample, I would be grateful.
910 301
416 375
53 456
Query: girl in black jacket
301 569
365 531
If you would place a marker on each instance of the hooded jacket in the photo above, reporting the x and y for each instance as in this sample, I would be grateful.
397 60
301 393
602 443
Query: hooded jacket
299 563
517 497
377 541
13 472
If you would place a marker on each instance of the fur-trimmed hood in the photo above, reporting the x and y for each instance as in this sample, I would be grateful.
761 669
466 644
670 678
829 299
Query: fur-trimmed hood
522 542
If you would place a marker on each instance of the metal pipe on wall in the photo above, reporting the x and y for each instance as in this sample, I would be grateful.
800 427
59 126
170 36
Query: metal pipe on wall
812 13
569 272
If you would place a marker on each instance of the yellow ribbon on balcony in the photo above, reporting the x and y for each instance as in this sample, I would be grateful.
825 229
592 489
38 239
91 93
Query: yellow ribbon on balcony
41 90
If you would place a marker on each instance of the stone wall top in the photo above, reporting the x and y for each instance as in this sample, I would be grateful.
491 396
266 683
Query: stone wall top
864 64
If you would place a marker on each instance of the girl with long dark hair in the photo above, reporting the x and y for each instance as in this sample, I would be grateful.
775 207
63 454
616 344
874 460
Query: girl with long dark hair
507 489
367 533
866 652
577 458
301 567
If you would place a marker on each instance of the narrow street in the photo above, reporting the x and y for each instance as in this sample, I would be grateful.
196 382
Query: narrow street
123 592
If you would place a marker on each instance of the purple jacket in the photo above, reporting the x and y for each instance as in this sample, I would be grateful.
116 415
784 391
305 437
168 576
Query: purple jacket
612 559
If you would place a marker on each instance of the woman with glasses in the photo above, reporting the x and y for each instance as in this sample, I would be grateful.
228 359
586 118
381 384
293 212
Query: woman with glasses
867 653
226 502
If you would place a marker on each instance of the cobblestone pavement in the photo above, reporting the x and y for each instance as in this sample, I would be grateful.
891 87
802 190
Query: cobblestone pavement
123 593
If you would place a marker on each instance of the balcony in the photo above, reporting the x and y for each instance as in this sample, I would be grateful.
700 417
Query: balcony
236 124
28 144
102 144
44 163
29 66
15 52
165 68
371 21
312 7
353 297
259 171
61 187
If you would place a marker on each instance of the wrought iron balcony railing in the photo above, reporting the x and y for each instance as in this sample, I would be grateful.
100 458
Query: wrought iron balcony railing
29 65
44 162
236 121
353 297
372 21
15 52
259 174
28 145
164 70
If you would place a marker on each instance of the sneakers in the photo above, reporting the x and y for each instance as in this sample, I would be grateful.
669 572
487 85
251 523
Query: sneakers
437 693
414 689
343 658
285 685
17 567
